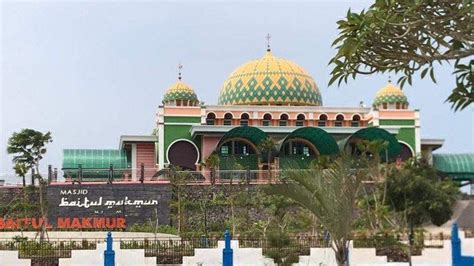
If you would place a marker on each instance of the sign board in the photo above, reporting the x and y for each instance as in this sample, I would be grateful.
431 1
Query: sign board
98 205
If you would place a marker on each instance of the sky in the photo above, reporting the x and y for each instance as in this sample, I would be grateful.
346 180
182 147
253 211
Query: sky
92 71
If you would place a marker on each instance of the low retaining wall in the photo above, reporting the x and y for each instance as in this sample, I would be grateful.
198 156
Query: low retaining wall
249 256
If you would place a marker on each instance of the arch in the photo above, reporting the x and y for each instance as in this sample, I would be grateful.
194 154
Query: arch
406 151
267 119
339 120
284 117
340 117
179 156
245 114
238 138
285 113
252 134
355 120
228 118
244 119
371 134
268 115
322 120
322 141
210 118
285 148
300 118
356 114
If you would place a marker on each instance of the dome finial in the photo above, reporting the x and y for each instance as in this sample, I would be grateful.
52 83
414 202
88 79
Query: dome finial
389 79
268 37
179 70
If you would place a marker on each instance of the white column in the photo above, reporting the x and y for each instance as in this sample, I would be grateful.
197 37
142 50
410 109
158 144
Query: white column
417 134
134 162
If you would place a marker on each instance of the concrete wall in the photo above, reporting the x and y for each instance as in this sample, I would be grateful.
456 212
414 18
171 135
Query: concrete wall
367 257
250 256
213 256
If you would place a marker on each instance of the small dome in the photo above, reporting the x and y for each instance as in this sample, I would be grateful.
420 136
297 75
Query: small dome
390 97
270 81
180 94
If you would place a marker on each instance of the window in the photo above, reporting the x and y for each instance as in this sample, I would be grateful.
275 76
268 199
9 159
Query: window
242 148
322 120
211 119
228 119
397 105
224 150
300 120
339 120
283 120
384 105
306 151
355 121
244 119
267 120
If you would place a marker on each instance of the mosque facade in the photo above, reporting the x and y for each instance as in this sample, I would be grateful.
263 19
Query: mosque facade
269 99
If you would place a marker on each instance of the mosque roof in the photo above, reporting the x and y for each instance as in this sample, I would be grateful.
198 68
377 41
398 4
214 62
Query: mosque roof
389 94
179 91
270 81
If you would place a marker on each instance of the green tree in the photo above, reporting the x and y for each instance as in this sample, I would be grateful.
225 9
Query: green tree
28 148
330 194
416 192
21 170
212 162
407 37
178 180
266 147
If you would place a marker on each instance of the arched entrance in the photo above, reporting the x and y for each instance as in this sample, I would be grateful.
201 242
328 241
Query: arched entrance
406 152
303 145
184 154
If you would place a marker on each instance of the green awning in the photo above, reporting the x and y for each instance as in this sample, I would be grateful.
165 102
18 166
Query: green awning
251 134
94 159
371 134
457 166
324 142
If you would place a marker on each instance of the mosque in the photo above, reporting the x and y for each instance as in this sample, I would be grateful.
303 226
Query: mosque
266 98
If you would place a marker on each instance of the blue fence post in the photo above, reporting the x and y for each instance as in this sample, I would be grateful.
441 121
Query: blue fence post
455 246
109 253
227 252
456 257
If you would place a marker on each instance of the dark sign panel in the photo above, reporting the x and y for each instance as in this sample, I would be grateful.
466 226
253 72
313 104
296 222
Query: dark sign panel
97 204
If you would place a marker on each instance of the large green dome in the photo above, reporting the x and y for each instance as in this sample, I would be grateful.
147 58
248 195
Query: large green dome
270 81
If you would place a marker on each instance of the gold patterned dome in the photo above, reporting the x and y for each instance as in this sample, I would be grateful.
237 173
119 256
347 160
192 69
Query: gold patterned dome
270 81
180 92
390 94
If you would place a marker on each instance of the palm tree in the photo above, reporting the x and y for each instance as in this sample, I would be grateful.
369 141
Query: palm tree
21 170
212 162
267 146
330 194
28 148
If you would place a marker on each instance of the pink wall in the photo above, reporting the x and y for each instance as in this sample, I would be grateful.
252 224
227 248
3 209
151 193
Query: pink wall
209 144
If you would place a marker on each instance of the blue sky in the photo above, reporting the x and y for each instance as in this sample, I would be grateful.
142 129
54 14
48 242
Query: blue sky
90 72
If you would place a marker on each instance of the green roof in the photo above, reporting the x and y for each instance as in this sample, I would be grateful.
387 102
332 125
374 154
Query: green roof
251 134
371 134
457 166
94 159
324 142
